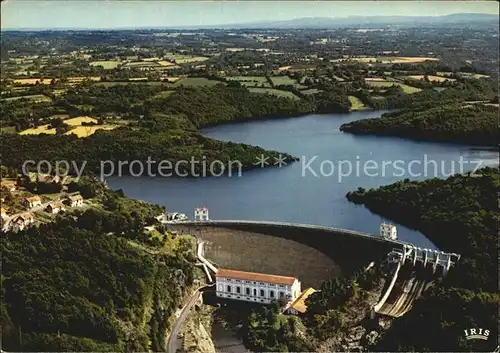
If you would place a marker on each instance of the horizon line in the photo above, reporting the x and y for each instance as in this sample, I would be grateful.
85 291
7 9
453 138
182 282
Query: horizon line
227 26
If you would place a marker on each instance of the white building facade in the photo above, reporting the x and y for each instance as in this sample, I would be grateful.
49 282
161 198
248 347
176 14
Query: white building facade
201 214
256 287
388 231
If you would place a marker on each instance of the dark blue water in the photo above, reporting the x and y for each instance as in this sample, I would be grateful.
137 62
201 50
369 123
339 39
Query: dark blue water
317 195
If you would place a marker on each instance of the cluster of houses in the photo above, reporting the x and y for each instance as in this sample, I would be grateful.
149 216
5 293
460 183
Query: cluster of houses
20 221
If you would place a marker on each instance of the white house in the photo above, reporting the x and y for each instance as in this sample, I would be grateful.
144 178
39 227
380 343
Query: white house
33 201
55 207
8 185
3 216
75 200
388 231
256 287
22 221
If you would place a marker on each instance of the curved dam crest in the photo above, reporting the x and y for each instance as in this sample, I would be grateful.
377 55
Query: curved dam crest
254 246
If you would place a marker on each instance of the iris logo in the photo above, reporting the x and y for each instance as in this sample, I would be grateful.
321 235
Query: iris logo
477 334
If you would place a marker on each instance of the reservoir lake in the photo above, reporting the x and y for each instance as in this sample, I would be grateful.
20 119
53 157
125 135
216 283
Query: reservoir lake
311 190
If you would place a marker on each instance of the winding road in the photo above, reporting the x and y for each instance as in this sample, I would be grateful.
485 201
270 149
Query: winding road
173 342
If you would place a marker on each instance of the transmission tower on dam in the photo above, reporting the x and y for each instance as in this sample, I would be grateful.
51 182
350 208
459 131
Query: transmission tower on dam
411 277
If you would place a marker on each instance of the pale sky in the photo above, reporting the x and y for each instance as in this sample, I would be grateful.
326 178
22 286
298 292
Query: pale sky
145 13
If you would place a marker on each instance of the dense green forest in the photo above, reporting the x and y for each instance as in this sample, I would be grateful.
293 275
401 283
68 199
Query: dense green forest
459 123
459 214
86 283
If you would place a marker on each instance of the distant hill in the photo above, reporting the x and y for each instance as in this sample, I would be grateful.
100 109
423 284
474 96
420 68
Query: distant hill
326 23
370 21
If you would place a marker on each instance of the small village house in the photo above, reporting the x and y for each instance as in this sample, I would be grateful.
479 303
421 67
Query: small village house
8 185
21 222
33 201
75 200
3 212
3 216
55 207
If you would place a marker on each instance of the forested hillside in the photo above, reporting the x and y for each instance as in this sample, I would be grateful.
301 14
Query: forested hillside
459 214
86 283
459 123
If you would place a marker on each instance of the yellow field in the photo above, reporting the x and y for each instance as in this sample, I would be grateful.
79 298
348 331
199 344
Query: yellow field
187 59
33 81
79 120
43 129
165 63
432 78
356 103
82 78
151 59
47 80
374 79
106 64
85 131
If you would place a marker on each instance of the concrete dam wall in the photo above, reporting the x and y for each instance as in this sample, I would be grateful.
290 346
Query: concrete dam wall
349 250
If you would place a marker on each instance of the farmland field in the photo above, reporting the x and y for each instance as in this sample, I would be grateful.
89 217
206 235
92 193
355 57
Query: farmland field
432 78
406 88
107 64
195 82
141 64
283 80
165 63
184 59
33 81
356 103
273 91
311 91
79 120
251 81
85 131
37 98
43 129
79 79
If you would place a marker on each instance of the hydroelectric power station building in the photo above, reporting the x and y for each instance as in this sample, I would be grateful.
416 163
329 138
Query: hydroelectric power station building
256 287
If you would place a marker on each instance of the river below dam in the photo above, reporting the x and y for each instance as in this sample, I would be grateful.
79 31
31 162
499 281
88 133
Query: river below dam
312 190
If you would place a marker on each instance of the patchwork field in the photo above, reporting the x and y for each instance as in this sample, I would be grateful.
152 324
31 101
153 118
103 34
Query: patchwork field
273 91
251 81
86 131
195 82
107 65
33 81
432 78
407 89
184 59
165 63
43 129
283 80
79 120
36 98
